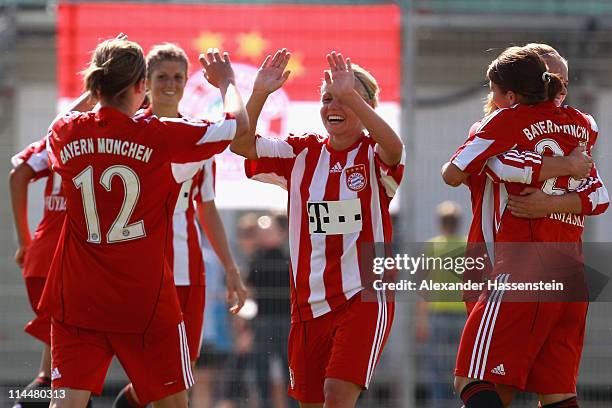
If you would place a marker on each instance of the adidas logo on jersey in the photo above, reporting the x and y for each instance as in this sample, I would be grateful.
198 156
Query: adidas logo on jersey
336 169
55 374
499 370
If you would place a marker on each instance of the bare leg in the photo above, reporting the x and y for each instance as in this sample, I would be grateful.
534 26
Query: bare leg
45 362
201 394
552 398
506 393
69 398
311 405
340 394
178 400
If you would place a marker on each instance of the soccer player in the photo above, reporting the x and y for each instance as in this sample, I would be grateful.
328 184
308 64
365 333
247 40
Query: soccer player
524 167
489 350
34 254
167 68
110 290
339 186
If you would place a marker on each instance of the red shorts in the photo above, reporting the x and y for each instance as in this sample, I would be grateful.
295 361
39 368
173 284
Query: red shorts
156 363
534 346
192 300
345 344
40 326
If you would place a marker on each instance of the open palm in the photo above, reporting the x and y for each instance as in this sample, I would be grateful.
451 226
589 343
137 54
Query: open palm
272 75
339 78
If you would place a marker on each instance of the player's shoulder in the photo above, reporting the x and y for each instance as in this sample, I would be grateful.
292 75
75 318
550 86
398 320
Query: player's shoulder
572 111
71 118
499 118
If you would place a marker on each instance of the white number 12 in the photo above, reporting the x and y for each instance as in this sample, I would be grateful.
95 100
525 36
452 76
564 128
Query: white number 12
120 230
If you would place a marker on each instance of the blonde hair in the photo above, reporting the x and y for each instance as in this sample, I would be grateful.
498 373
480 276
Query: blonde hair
165 52
368 82
115 66
545 51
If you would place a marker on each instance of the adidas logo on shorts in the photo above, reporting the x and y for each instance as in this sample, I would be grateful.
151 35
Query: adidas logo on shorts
55 374
336 169
499 370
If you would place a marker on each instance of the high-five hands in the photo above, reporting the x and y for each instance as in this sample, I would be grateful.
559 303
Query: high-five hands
217 69
272 75
339 78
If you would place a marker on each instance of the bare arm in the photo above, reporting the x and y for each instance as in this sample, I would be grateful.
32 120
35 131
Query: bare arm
218 72
83 103
341 82
452 175
215 231
577 164
19 180
270 77
534 203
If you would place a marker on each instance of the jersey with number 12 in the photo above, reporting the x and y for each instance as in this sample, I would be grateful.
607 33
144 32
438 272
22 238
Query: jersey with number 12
109 272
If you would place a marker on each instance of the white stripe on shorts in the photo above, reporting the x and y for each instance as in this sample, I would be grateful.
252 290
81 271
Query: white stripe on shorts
379 334
185 362
487 324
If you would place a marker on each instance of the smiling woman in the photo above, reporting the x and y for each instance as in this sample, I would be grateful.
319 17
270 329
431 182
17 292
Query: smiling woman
340 186
167 67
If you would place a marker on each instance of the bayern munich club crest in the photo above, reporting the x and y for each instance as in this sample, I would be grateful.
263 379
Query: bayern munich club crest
356 179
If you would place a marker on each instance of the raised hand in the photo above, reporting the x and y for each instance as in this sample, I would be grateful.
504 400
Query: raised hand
339 78
217 70
272 75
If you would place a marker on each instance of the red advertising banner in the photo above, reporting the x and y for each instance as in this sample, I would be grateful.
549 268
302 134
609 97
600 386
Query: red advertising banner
369 35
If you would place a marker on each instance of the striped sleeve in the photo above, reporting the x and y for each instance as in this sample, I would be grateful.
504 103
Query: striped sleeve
192 140
593 194
36 157
274 162
390 176
515 167
489 140
206 182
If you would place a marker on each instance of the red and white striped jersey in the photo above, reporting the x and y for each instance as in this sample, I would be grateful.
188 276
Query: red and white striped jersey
183 250
545 129
41 249
338 200
110 272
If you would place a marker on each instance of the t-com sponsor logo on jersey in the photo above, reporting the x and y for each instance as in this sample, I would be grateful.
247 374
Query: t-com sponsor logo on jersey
356 177
334 217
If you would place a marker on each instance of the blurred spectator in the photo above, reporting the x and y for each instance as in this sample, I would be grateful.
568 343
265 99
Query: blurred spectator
440 317
269 279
